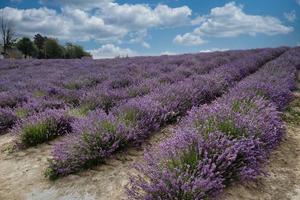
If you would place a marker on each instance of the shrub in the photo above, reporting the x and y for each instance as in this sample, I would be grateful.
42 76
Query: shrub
7 119
42 127
94 139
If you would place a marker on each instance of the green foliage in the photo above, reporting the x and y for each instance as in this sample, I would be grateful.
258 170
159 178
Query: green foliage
27 47
78 112
39 93
109 127
37 133
53 49
129 117
51 174
188 160
73 85
49 48
226 126
292 112
21 113
39 41
242 105
74 51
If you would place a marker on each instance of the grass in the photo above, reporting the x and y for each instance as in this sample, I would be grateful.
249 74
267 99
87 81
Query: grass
21 113
292 112
226 126
37 133
188 160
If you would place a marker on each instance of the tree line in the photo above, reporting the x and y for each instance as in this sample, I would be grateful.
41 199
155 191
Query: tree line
40 47
43 47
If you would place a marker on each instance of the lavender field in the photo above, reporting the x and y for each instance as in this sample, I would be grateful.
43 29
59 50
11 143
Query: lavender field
225 110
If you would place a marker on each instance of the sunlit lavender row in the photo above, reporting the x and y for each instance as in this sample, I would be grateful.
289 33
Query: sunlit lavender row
96 107
31 88
222 142
99 135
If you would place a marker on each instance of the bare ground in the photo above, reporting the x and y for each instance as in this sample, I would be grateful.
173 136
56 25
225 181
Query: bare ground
21 174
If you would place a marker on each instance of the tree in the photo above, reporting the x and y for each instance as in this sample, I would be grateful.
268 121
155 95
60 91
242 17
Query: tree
75 51
53 49
8 34
39 41
27 47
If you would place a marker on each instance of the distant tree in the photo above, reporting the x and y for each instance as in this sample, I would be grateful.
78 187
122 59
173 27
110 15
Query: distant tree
75 51
39 41
7 33
27 47
53 49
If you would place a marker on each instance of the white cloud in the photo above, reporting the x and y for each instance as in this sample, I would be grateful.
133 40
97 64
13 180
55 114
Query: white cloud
230 21
298 1
111 51
70 24
168 53
102 20
213 50
198 20
141 16
188 39
139 37
290 16
82 4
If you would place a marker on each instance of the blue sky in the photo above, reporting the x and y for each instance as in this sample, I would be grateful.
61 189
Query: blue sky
137 27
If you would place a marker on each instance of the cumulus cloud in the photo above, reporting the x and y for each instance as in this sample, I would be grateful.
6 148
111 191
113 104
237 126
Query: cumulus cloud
86 4
111 51
139 37
70 24
213 50
230 21
290 16
141 16
188 39
102 20
168 53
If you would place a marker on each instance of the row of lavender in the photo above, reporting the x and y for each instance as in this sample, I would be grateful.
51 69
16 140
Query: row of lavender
100 135
39 123
34 87
226 141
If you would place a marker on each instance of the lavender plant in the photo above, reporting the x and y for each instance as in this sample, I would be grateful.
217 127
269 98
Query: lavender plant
228 140
144 115
41 127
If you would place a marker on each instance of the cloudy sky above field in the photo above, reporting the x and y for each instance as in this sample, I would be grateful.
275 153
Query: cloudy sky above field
109 28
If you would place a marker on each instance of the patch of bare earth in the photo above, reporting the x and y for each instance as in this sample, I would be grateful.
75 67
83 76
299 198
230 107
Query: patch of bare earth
21 175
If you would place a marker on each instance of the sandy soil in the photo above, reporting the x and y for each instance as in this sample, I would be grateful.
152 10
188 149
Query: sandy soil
21 174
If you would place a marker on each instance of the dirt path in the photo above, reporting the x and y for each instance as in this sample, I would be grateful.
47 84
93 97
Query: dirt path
283 180
21 174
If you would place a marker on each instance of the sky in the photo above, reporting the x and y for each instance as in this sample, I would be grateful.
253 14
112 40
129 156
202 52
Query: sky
110 28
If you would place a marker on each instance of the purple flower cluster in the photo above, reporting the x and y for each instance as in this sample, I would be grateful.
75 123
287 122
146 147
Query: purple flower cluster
7 119
225 141
136 118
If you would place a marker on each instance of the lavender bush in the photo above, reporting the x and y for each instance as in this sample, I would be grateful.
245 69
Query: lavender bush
225 141
144 115
7 120
42 127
